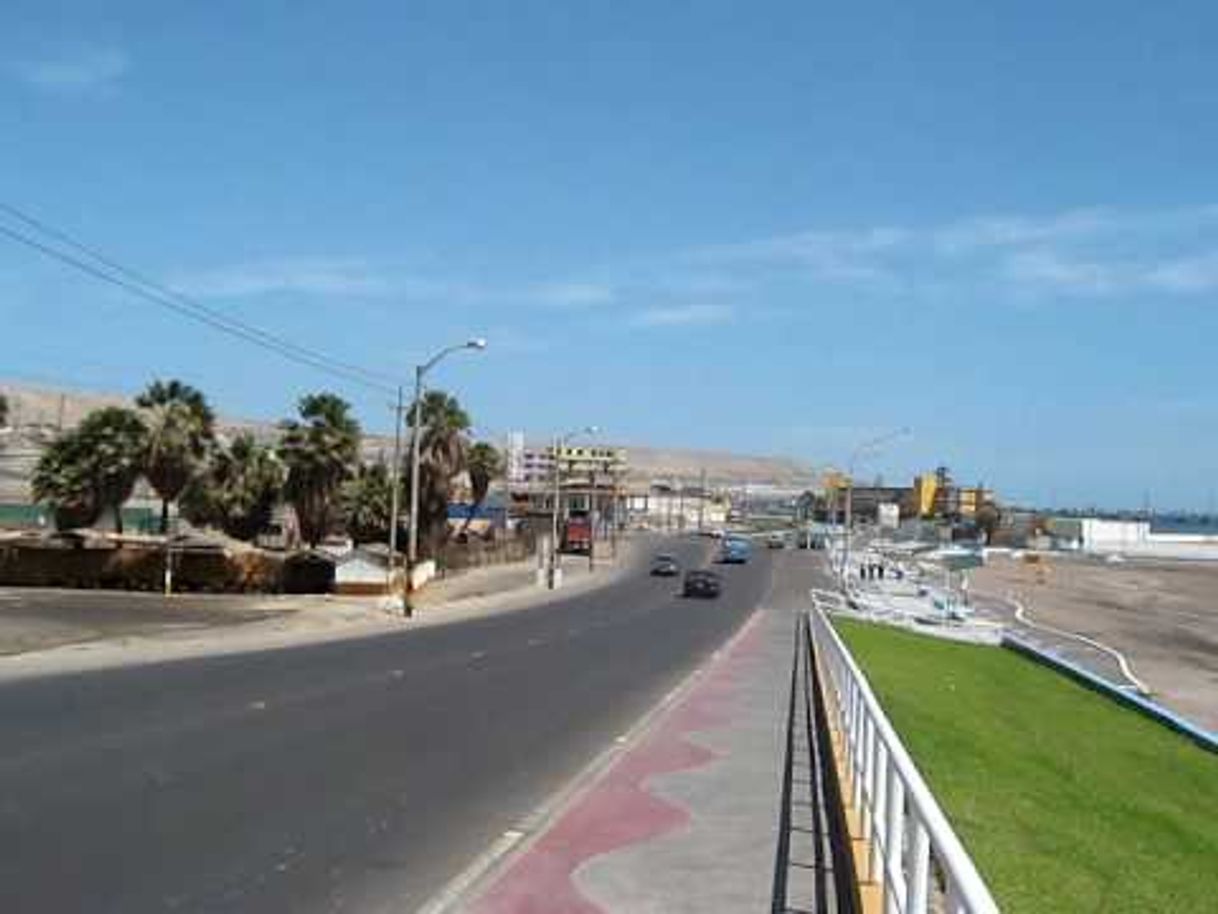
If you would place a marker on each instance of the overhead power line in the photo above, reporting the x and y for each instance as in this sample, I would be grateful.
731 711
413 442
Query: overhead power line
116 274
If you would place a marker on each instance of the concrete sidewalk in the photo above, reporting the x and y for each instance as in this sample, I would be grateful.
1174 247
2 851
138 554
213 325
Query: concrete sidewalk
686 816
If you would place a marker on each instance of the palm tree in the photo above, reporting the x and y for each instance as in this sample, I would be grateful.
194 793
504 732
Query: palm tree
115 439
484 463
442 455
320 454
93 468
61 480
442 452
181 430
368 498
239 489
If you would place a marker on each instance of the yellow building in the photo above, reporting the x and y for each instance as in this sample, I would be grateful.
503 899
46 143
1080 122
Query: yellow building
932 496
925 492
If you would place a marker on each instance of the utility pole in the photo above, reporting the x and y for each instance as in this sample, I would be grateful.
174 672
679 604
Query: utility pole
591 514
555 572
396 495
854 456
701 500
680 505
560 442
613 520
412 545
416 434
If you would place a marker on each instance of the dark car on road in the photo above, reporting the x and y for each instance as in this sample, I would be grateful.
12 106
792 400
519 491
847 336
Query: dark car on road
701 584
665 566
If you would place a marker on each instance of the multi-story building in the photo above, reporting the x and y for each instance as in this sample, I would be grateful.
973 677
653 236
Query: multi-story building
936 495
591 478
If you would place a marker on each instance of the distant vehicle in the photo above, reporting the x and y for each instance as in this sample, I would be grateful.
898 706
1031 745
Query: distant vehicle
776 541
735 551
665 566
577 536
701 583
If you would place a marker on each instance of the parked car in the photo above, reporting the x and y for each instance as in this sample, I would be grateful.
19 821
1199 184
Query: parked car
776 541
665 566
701 583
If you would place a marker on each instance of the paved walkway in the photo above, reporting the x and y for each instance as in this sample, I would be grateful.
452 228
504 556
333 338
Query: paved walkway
687 818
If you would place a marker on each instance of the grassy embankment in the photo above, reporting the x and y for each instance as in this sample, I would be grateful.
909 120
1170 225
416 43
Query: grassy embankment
1066 800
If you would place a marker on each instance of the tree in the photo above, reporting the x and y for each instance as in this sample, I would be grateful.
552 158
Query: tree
61 481
238 490
3 411
484 463
320 454
442 455
92 468
988 518
180 432
368 502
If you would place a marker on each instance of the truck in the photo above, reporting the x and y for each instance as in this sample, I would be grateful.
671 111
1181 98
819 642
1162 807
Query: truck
577 536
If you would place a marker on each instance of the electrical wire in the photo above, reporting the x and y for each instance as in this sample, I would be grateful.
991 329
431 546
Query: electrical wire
150 290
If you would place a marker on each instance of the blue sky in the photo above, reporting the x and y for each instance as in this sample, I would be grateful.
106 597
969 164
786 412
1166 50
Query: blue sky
770 227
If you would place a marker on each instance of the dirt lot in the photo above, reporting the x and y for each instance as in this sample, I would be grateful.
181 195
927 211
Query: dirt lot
33 619
1162 615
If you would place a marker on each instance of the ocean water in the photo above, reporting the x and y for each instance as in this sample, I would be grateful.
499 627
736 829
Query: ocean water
1176 525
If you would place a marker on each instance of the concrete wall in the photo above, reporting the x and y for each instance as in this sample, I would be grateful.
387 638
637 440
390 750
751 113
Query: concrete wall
1113 535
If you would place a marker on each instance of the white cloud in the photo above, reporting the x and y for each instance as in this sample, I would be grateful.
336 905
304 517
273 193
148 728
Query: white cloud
84 70
1186 274
1091 251
1048 268
684 315
1015 231
836 256
572 294
309 277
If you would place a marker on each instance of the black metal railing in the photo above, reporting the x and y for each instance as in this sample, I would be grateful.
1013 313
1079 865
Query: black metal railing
825 881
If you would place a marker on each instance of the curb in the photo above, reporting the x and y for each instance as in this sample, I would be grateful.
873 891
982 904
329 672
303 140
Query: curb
1156 712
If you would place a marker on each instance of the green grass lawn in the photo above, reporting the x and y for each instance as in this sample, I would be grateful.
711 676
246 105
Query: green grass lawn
1066 800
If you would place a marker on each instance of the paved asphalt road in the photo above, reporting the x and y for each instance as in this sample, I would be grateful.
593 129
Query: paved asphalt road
355 775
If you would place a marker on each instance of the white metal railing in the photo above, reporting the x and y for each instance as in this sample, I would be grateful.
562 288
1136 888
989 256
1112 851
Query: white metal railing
909 837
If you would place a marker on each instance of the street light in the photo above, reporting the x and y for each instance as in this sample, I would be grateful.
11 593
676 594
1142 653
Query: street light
559 442
412 547
863 448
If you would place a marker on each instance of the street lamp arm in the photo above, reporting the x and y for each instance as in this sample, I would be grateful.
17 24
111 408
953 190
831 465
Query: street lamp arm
427 366
874 443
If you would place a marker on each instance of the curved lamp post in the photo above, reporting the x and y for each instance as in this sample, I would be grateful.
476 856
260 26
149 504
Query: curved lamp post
412 543
867 446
